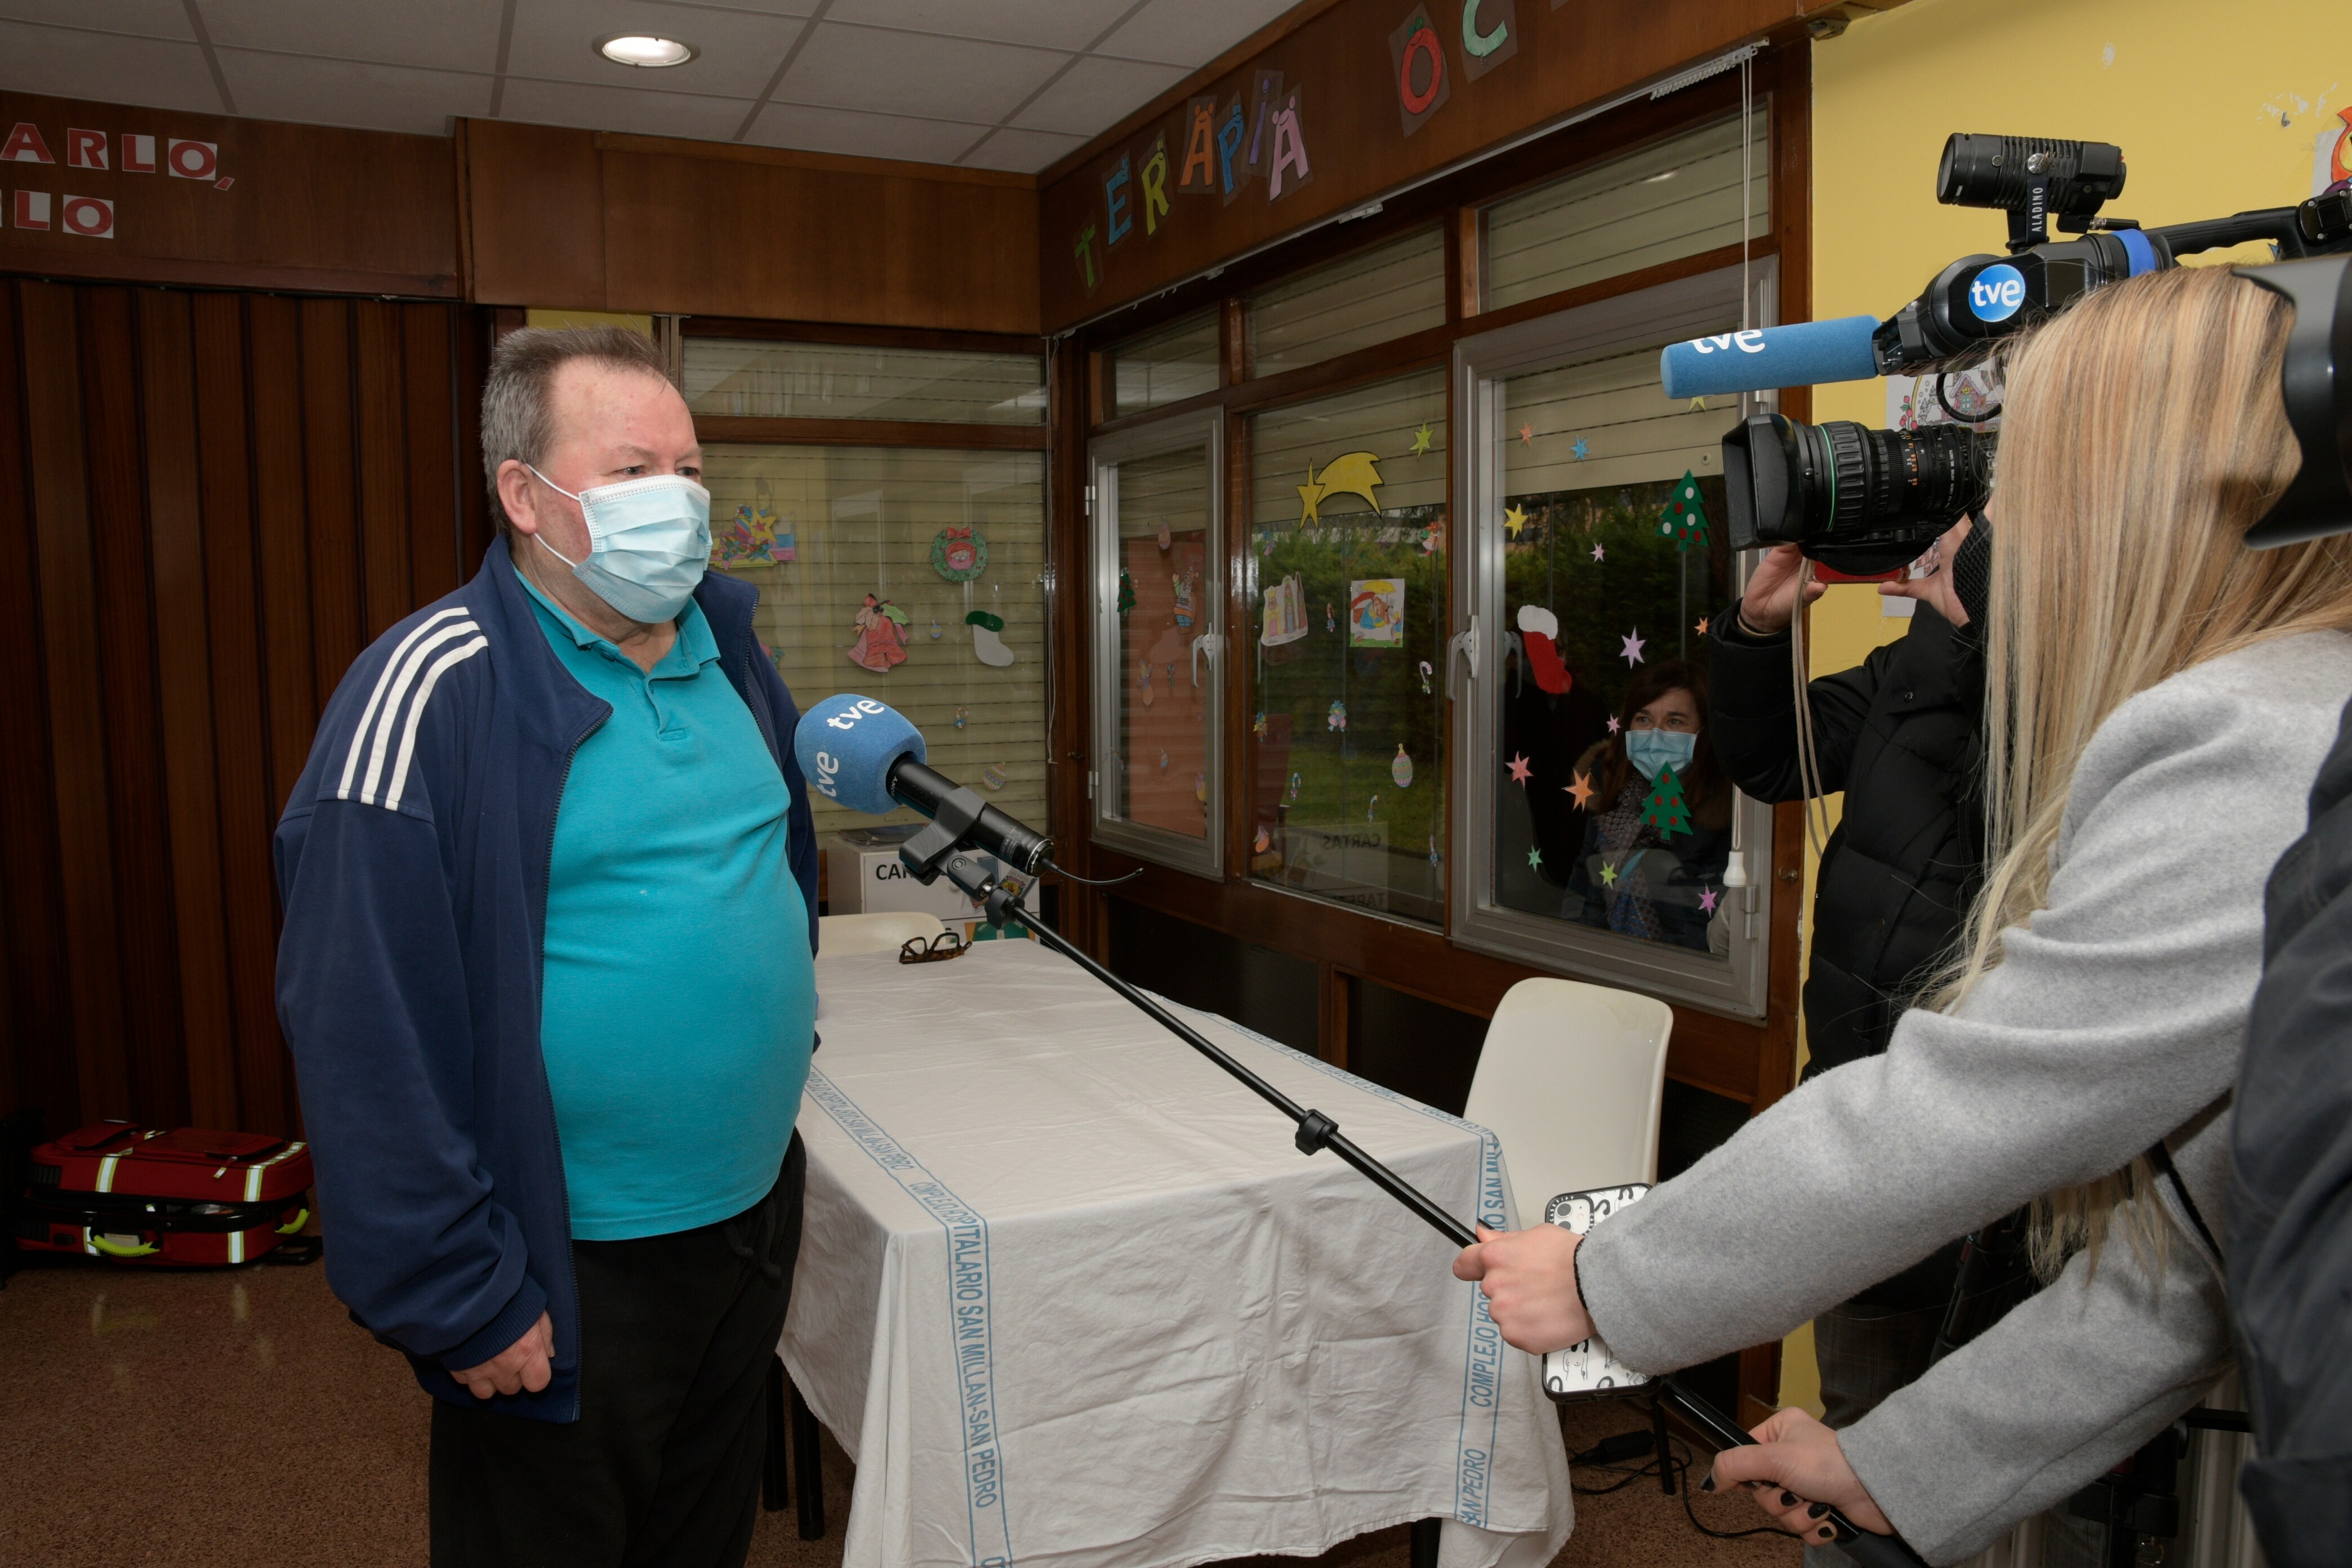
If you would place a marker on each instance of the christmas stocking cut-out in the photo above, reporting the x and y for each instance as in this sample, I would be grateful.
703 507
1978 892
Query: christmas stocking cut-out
987 639
1539 629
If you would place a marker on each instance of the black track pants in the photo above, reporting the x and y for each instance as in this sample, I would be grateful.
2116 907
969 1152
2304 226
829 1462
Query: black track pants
662 1469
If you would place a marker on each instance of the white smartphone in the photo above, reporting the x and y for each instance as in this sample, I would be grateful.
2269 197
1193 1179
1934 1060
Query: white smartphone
1586 1370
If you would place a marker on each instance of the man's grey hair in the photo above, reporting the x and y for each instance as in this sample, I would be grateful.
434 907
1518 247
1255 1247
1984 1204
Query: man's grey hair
517 415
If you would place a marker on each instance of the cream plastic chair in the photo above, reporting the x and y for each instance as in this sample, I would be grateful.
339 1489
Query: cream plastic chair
1571 1079
837 935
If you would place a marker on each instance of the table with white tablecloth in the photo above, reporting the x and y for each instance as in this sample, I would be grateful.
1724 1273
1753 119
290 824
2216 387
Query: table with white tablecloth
1068 1293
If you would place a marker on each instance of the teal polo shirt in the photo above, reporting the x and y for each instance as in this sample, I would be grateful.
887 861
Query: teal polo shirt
677 1001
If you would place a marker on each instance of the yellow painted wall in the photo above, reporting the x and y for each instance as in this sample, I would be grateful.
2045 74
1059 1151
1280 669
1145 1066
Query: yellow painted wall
640 324
2194 93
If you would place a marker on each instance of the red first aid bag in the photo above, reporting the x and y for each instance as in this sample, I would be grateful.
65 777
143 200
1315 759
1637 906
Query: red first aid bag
148 1194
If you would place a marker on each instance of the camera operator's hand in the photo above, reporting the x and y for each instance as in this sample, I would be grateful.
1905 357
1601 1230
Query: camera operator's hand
1799 1472
1937 589
1770 602
1530 1278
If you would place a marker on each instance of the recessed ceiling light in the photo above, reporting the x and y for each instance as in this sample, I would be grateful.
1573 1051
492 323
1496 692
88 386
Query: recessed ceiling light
639 49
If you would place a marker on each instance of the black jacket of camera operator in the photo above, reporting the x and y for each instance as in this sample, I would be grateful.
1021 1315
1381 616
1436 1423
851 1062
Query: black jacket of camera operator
1900 734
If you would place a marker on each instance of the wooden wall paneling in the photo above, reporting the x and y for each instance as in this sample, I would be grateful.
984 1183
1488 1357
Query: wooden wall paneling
93 970
134 773
175 546
1071 550
241 696
381 445
428 378
36 1065
280 492
338 593
470 337
534 215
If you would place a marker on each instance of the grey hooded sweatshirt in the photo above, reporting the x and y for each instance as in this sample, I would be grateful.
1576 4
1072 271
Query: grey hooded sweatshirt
2115 1019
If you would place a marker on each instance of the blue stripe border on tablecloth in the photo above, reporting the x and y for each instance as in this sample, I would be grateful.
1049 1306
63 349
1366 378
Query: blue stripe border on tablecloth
972 1337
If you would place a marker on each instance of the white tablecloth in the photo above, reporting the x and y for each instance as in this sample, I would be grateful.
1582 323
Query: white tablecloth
1068 1294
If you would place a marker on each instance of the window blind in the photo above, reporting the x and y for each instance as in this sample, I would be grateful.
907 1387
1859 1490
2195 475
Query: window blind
1676 198
864 521
1366 299
1166 366
733 376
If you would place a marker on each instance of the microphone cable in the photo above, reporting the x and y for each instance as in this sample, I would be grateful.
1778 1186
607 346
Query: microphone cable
1070 876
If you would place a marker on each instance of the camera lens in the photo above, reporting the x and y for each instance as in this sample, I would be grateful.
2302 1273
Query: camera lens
1994 171
1856 499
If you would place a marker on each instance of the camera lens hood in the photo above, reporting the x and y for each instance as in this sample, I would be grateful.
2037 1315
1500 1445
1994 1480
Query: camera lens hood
2319 400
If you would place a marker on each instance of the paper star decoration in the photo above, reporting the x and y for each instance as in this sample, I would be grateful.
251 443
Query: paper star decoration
1534 857
1707 899
1697 406
1631 652
1597 552
1519 769
1311 496
1613 725
1608 875
1701 627
1582 790
1514 520
1421 441
1527 435
1580 449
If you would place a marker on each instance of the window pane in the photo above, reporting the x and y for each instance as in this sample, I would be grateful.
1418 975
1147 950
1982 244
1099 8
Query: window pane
1605 606
1351 304
1158 773
1347 518
854 549
1676 198
736 376
1166 366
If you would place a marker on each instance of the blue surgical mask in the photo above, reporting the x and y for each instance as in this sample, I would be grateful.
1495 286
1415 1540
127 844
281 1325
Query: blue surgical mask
648 543
1649 749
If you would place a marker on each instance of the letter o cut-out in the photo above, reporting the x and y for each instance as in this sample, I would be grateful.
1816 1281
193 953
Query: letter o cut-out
1423 42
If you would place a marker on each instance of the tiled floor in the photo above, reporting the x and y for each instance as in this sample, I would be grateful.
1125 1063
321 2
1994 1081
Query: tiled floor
241 1420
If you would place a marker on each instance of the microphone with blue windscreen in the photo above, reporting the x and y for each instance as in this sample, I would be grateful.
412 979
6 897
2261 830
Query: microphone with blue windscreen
1764 357
867 756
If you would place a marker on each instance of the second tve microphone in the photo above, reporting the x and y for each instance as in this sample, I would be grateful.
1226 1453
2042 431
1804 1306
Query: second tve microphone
865 755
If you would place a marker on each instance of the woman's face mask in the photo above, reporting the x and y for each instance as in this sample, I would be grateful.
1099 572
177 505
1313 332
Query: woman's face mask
1649 749
648 543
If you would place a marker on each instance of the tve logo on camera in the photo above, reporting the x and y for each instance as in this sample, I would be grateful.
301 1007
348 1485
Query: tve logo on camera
1996 293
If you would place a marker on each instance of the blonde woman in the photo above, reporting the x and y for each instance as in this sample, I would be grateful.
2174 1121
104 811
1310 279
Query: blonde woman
2160 700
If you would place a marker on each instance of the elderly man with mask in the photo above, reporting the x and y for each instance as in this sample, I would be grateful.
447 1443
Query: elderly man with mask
550 905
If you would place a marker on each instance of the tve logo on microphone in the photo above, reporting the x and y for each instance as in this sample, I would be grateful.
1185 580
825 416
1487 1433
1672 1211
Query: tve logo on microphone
826 775
1996 293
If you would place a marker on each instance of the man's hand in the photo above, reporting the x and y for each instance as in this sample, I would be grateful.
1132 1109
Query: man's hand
1797 1473
520 1367
1770 602
1530 1278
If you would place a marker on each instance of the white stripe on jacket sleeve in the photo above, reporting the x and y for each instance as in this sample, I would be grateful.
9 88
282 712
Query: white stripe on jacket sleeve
416 711
382 680
391 715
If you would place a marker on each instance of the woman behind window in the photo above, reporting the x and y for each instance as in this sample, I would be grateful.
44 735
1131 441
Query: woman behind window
1654 845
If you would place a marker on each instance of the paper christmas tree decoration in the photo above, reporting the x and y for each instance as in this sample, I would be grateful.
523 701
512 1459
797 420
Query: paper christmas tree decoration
1684 519
1666 810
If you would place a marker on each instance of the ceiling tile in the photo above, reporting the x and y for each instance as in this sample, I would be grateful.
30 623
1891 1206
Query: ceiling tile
844 130
638 109
455 35
1190 33
955 78
68 64
1023 152
138 18
346 93
1066 24
1096 93
555 41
